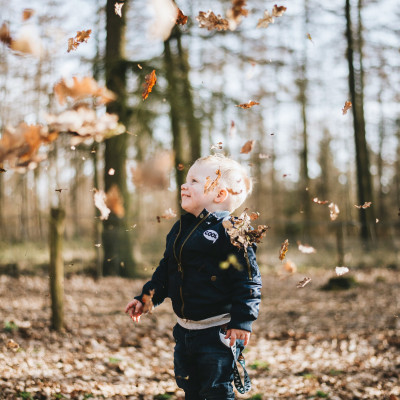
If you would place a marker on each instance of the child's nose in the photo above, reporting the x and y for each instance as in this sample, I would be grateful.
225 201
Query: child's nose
183 186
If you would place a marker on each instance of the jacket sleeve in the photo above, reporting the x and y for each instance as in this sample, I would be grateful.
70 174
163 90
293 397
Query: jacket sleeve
159 279
246 285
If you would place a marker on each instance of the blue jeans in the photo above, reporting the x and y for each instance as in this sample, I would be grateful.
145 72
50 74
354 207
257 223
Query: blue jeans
203 364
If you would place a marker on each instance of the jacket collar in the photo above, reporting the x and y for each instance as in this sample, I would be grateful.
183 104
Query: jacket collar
217 215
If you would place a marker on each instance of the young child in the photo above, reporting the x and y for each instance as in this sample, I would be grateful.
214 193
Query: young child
206 298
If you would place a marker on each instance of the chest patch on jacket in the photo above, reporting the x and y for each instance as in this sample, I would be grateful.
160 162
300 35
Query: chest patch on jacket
211 235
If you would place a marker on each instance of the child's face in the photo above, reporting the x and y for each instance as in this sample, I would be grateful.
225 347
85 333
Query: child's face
194 200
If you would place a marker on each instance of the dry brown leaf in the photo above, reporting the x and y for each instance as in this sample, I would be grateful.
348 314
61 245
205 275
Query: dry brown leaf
118 8
283 250
254 215
211 184
211 21
217 146
248 105
154 173
100 202
242 233
316 200
27 13
20 145
231 191
5 36
309 38
346 107
236 12
305 249
78 89
367 204
114 201
81 36
247 147
151 80
290 267
180 167
169 213
147 300
181 19
278 11
334 211
12 345
303 282
265 20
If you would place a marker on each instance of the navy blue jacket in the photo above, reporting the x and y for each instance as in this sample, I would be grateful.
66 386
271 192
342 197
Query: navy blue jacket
190 273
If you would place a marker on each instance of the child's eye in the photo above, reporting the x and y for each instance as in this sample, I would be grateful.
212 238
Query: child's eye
194 180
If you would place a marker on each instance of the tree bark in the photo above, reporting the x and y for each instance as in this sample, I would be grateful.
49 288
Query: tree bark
356 84
116 240
56 268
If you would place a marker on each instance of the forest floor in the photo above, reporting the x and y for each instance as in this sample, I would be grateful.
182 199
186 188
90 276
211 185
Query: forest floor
307 344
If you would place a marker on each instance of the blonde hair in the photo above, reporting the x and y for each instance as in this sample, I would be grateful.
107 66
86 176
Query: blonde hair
234 177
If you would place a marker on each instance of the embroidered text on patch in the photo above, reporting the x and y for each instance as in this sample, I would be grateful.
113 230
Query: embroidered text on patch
211 235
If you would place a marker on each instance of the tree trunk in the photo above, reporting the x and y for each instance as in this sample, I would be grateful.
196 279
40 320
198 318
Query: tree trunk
172 96
116 240
356 84
56 268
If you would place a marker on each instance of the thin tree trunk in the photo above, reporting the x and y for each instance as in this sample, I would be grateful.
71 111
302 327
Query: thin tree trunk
56 268
172 96
364 181
116 240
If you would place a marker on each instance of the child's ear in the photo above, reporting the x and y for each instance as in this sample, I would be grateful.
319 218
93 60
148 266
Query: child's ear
221 196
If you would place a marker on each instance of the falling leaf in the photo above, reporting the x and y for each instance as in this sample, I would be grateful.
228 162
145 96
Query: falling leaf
12 345
346 107
2 170
165 15
139 66
284 249
367 204
20 145
100 203
217 146
211 184
211 21
247 147
27 42
242 233
5 36
265 20
248 105
181 19
78 89
85 125
334 211
236 12
306 249
341 270
118 8
303 282
180 167
27 13
114 201
290 267
232 129
59 190
81 36
147 300
151 80
169 214
316 200
231 191
309 38
278 11
254 215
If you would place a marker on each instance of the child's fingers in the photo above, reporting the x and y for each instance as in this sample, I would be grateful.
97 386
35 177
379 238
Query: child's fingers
130 305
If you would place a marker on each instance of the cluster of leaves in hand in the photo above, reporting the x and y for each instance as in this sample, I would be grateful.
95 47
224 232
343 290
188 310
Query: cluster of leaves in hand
240 231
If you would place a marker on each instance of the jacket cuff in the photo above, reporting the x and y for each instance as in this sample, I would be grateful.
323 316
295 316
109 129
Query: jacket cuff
244 325
139 298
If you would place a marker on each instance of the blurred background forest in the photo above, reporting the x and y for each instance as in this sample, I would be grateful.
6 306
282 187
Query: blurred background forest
301 69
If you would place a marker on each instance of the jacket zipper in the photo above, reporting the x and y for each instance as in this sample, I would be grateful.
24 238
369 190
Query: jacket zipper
179 260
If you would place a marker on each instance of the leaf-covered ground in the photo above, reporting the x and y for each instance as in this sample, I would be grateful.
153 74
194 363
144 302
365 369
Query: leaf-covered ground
307 343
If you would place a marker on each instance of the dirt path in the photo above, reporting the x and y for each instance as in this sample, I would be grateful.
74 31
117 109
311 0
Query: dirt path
307 343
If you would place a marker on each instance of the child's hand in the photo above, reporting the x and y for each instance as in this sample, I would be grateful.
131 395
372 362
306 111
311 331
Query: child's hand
135 309
234 334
